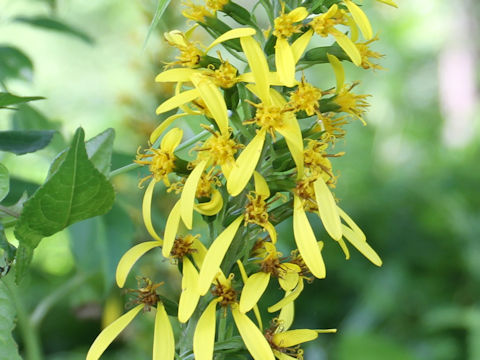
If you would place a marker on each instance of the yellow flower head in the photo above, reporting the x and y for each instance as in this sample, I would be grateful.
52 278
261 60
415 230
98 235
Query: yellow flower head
190 54
226 75
219 148
306 98
323 24
216 4
368 54
256 210
195 12
183 246
353 104
284 25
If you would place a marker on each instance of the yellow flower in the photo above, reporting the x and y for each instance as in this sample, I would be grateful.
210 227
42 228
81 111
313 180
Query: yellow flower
196 12
163 338
306 98
204 338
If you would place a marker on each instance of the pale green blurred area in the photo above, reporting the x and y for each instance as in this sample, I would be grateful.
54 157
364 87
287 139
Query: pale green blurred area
410 178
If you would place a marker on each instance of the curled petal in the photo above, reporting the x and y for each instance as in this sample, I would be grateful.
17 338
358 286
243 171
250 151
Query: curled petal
163 126
360 19
271 231
232 34
344 248
105 338
306 242
285 62
289 278
213 99
178 100
245 164
163 339
259 66
204 336
147 211
130 258
187 198
253 290
212 207
338 70
171 229
214 257
254 340
189 296
289 297
327 209
171 140
348 46
361 246
294 337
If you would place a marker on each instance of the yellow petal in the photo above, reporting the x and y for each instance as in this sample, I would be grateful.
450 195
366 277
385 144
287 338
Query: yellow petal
245 164
289 277
259 66
306 242
187 199
327 209
289 297
178 100
287 315
261 186
232 34
109 334
271 231
298 14
199 253
189 296
344 248
353 28
283 356
258 317
254 340
163 126
171 228
176 75
147 210
163 339
299 45
285 62
213 99
361 19
214 257
171 140
204 336
338 70
294 337
348 46
361 246
352 224
211 207
389 2
292 133
130 258
273 79
253 290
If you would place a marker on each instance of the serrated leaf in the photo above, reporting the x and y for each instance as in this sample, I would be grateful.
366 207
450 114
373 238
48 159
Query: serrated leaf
99 243
25 141
4 182
75 192
8 347
49 23
7 99
99 151
161 7
14 64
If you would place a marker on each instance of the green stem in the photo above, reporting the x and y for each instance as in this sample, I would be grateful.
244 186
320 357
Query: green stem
29 333
8 211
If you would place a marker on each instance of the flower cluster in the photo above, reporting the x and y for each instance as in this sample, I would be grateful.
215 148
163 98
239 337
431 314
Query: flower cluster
265 155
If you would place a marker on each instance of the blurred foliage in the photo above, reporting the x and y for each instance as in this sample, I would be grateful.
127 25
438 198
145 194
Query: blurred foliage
417 199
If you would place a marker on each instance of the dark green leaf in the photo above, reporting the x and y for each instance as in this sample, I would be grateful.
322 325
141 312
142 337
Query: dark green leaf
75 192
99 151
99 243
8 250
22 142
161 7
4 182
8 347
16 209
49 23
171 307
319 54
7 99
14 64
235 343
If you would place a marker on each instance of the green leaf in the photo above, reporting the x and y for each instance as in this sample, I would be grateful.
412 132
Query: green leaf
7 99
99 243
8 347
99 151
49 23
161 7
22 142
75 192
8 251
16 209
4 182
14 64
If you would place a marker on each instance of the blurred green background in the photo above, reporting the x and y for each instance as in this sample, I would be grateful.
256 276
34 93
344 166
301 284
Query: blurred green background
410 179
